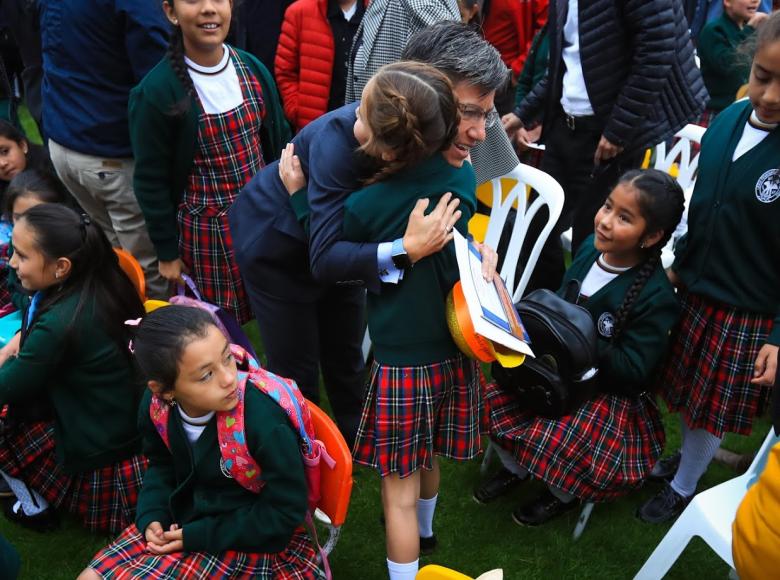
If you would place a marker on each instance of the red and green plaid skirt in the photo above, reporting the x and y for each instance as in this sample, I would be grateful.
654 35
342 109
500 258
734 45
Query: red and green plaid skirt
126 558
601 452
707 373
104 499
412 413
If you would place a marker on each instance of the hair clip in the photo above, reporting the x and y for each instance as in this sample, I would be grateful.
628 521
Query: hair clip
133 322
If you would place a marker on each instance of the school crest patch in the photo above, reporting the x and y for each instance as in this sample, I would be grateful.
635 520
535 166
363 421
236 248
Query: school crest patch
606 324
768 186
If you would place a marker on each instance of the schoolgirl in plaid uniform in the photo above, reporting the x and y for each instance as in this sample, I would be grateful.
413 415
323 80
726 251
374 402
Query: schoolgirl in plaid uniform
222 110
610 443
720 369
193 519
69 438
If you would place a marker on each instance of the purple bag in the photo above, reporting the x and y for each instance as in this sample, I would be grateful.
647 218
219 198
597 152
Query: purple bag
222 319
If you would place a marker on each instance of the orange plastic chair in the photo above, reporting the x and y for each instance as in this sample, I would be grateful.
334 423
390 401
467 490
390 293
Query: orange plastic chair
132 268
336 483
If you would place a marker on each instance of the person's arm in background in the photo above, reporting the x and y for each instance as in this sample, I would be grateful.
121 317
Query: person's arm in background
146 34
287 64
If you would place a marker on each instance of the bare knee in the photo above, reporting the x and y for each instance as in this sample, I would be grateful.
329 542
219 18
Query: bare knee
89 574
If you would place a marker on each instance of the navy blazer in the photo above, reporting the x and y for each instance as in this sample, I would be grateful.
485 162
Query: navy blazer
272 248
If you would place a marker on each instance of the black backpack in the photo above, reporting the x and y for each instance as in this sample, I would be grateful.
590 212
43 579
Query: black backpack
563 338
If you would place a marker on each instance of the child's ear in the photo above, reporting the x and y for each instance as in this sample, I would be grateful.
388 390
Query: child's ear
158 389
62 268
652 239
388 156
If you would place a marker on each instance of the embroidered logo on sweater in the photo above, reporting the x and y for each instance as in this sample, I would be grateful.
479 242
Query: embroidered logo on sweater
606 324
768 186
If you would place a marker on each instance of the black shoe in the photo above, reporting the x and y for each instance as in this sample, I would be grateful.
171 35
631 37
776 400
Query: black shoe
664 506
542 509
45 521
428 545
664 470
499 484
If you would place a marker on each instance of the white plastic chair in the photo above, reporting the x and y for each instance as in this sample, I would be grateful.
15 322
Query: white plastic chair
549 193
708 516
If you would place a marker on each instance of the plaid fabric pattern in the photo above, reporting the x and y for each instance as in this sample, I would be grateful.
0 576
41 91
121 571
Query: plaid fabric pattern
707 117
495 156
229 153
706 376
103 499
602 451
412 413
126 558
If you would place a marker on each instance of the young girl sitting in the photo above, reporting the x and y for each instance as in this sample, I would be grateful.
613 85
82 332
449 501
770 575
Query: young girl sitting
723 359
18 154
422 399
70 439
27 189
202 123
610 444
193 519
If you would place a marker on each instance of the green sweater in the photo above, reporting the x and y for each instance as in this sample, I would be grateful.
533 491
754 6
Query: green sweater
89 380
724 70
185 485
535 65
626 366
164 145
407 320
732 250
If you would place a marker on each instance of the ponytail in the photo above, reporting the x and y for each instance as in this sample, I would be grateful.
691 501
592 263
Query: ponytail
60 232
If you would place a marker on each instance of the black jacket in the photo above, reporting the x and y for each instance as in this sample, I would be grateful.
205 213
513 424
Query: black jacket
637 60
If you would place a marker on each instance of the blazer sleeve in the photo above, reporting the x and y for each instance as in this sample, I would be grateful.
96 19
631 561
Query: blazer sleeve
146 35
160 477
653 28
278 509
287 63
532 106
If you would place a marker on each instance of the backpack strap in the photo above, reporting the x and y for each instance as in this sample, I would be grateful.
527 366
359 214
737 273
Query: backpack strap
159 411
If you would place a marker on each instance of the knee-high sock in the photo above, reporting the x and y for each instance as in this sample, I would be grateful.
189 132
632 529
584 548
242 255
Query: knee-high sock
698 449
402 571
509 463
425 511
30 500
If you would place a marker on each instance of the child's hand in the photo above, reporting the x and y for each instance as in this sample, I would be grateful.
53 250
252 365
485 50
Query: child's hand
154 534
290 170
765 369
171 541
172 270
11 349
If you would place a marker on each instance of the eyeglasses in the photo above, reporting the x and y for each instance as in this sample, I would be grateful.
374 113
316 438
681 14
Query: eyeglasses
474 114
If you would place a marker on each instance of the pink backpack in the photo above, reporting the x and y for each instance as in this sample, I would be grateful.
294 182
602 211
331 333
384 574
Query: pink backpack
232 435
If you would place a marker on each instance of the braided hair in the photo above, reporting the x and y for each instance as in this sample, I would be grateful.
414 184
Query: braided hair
410 110
661 204
175 54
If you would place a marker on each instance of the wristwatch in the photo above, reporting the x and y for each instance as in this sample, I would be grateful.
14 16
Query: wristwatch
400 257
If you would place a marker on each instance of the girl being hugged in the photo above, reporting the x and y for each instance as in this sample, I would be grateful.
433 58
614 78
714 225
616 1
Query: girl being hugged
609 445
70 438
193 519
202 123
723 361
422 399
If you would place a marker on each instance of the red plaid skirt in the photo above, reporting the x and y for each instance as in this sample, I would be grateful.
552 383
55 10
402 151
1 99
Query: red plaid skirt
103 499
707 117
602 451
411 414
126 558
706 376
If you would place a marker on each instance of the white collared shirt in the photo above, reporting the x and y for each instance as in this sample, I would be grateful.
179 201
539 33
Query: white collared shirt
574 99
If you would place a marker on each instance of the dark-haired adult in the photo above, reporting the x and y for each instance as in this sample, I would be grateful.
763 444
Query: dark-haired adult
70 438
93 54
202 123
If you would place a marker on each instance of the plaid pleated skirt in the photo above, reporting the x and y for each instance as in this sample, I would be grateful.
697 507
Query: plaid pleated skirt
412 413
706 375
126 558
601 452
104 499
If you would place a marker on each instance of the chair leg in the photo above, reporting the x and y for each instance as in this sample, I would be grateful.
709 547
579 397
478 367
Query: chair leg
668 550
582 521
334 532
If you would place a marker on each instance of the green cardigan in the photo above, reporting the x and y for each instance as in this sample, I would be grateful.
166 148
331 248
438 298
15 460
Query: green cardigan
164 145
724 70
89 381
186 485
732 249
407 320
626 366
535 65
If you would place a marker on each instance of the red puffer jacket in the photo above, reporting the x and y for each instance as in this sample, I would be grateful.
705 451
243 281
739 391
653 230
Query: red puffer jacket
304 61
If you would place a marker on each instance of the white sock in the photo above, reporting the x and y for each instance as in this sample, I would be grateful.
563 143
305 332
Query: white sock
509 463
561 495
698 449
425 510
402 571
28 499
